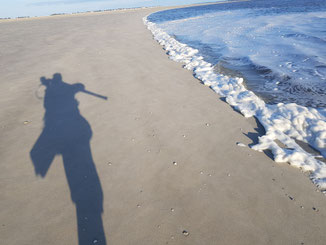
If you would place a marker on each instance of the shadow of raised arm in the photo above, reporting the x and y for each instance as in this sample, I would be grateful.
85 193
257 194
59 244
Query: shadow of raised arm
94 94
81 88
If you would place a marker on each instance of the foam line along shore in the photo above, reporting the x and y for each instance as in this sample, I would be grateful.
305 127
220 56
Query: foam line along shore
287 123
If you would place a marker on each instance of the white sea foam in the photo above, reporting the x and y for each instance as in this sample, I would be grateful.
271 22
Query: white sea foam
285 123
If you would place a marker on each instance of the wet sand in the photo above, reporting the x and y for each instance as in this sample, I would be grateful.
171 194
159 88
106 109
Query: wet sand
157 158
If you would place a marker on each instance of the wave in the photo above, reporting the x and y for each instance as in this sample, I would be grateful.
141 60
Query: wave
286 125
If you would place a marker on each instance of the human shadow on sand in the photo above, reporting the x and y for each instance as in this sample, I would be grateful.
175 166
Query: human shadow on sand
67 133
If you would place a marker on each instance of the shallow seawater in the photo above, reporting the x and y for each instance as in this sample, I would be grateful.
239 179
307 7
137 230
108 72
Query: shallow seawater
278 47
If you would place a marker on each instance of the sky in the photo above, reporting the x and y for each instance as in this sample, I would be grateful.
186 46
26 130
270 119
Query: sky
19 8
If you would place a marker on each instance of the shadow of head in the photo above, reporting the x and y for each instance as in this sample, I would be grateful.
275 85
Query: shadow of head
56 78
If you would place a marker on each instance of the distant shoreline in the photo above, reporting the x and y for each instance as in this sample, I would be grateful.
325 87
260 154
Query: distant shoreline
92 12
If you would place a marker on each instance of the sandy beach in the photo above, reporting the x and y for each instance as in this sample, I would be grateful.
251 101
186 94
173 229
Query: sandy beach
127 147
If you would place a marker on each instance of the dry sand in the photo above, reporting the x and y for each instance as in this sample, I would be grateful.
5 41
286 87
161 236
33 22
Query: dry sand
156 113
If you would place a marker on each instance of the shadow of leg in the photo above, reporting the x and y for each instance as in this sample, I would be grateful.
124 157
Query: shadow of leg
85 188
42 154
90 226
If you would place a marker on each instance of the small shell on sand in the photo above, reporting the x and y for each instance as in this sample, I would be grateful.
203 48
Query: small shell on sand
185 233
241 144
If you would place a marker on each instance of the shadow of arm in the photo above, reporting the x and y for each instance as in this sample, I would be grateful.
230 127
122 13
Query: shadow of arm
81 88
94 94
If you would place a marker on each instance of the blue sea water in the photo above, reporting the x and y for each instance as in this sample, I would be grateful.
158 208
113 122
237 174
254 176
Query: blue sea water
277 46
